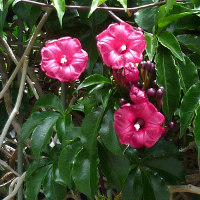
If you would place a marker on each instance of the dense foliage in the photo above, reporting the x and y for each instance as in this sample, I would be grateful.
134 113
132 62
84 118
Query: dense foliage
61 136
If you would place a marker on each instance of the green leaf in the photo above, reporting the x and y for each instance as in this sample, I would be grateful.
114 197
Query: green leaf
192 42
3 14
52 190
89 130
62 125
41 135
66 160
94 79
171 172
114 167
124 4
169 5
188 73
142 15
154 188
162 148
108 135
35 165
189 105
85 173
197 132
27 13
94 5
133 186
1 5
33 183
49 101
167 76
152 45
34 120
60 8
168 40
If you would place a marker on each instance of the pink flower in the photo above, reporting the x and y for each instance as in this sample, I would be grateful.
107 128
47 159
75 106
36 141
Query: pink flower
138 125
64 59
129 73
137 95
120 44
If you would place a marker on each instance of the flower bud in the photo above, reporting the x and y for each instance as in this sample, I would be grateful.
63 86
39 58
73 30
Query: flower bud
151 92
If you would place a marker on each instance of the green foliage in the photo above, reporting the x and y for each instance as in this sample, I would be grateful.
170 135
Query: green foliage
167 76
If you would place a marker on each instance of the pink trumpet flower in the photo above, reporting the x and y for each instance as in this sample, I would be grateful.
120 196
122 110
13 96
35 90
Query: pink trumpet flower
64 59
139 125
120 44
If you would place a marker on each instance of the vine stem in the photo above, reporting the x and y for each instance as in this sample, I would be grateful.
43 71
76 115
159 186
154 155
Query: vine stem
15 110
132 9
19 181
26 52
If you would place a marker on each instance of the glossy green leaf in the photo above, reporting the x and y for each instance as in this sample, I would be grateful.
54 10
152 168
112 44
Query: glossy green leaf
114 167
94 5
60 8
195 59
65 161
62 124
27 13
85 173
33 183
133 186
142 15
171 172
162 148
189 105
152 45
3 14
154 188
107 134
90 128
35 165
1 5
34 120
192 42
42 135
94 79
197 131
168 40
49 101
124 4
188 73
53 190
167 76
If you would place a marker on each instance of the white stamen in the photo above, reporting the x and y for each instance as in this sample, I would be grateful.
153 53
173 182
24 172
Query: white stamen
63 60
137 126
123 47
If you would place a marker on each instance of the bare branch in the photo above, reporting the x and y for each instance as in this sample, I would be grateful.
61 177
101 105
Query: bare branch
133 9
17 104
184 188
27 51
6 166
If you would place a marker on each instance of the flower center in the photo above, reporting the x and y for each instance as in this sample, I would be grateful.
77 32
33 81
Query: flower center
122 48
63 60
139 124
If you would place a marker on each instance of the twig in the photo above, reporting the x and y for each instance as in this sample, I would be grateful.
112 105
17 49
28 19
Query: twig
191 145
132 9
112 14
26 52
32 87
18 102
184 188
20 181
2 185
6 166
